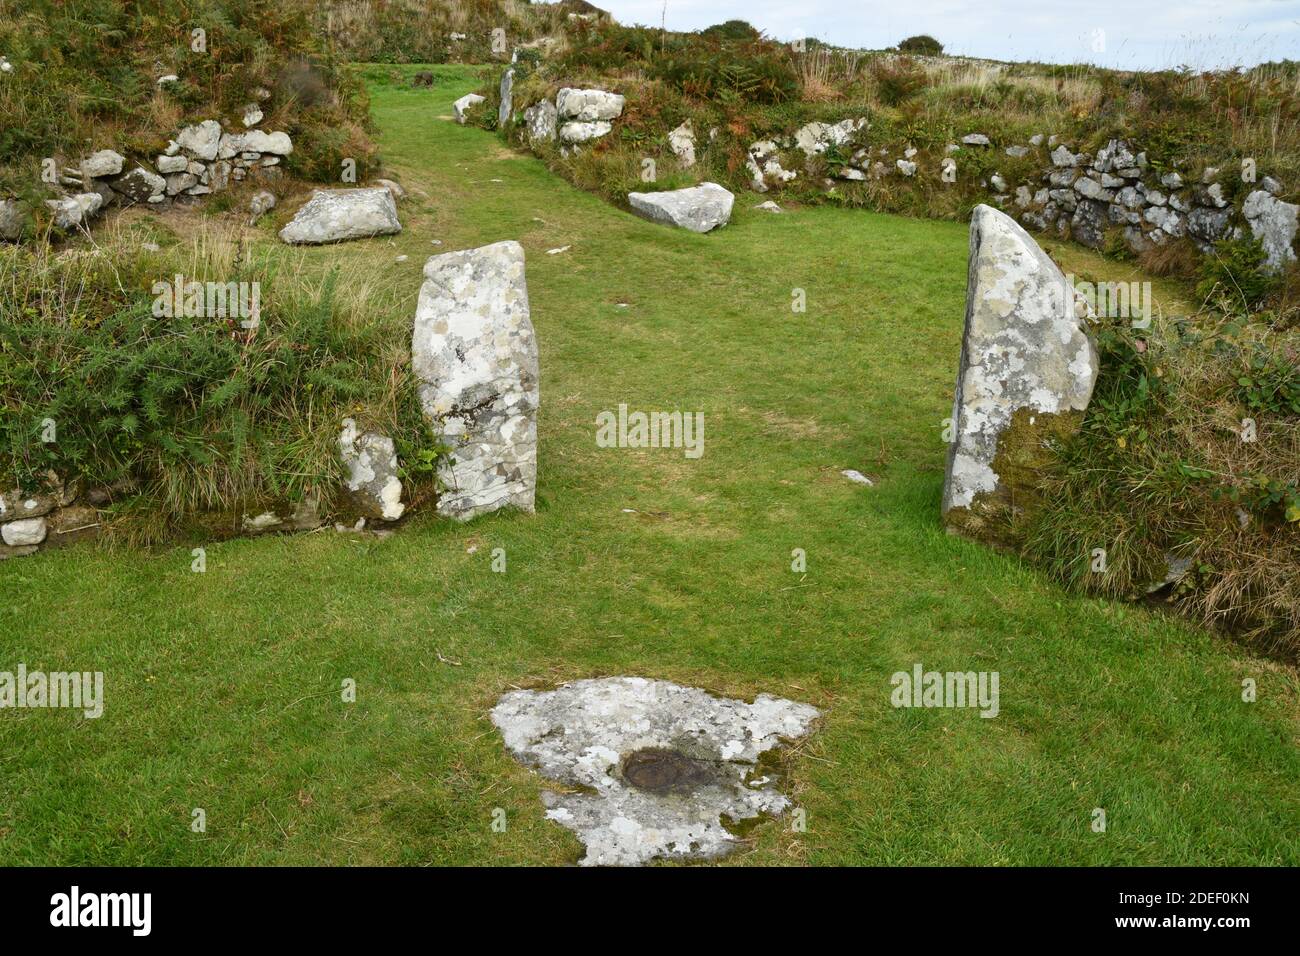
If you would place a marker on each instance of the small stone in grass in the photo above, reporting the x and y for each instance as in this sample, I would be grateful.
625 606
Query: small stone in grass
556 252
852 474
402 258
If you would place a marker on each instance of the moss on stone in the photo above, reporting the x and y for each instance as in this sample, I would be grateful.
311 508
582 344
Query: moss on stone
1025 451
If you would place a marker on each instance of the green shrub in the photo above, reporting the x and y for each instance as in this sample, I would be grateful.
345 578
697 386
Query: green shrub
922 45
732 30
1234 275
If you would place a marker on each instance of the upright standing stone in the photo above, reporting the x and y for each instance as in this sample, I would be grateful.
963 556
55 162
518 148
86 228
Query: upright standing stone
475 358
1026 375
507 98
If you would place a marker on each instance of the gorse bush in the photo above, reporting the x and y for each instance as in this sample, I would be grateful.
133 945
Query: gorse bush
732 30
922 45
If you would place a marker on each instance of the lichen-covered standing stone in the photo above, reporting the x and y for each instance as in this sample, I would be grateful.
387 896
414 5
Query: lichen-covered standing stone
506 106
333 215
475 356
1027 371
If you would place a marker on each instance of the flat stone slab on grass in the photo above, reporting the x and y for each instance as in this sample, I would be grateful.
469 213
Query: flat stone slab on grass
336 215
474 355
697 208
659 764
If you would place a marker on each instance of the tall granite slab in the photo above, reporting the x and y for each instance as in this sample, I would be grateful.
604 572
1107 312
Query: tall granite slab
1026 375
474 355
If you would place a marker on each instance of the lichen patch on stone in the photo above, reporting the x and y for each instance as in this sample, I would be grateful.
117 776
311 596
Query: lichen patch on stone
657 765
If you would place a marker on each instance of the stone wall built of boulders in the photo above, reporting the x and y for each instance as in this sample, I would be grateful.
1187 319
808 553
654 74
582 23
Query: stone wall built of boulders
1074 195
201 159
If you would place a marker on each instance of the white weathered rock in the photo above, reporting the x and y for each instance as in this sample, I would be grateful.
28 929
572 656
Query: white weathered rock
252 115
769 206
73 211
1062 157
462 105
103 163
1017 151
540 120
682 142
506 105
815 138
906 167
25 531
474 355
168 78
179 182
336 215
1273 223
975 139
254 141
586 106
171 164
697 208
1025 355
656 765
371 461
202 140
764 164
581 132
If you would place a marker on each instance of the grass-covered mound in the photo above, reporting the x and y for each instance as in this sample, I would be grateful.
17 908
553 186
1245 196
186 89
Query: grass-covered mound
196 419
1188 460
85 78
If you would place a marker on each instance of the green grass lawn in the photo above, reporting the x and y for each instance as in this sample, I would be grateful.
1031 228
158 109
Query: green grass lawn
223 688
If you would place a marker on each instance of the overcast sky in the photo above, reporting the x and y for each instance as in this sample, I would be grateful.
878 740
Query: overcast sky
1129 34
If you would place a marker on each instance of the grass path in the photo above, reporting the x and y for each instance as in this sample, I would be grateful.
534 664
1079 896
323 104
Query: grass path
223 687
